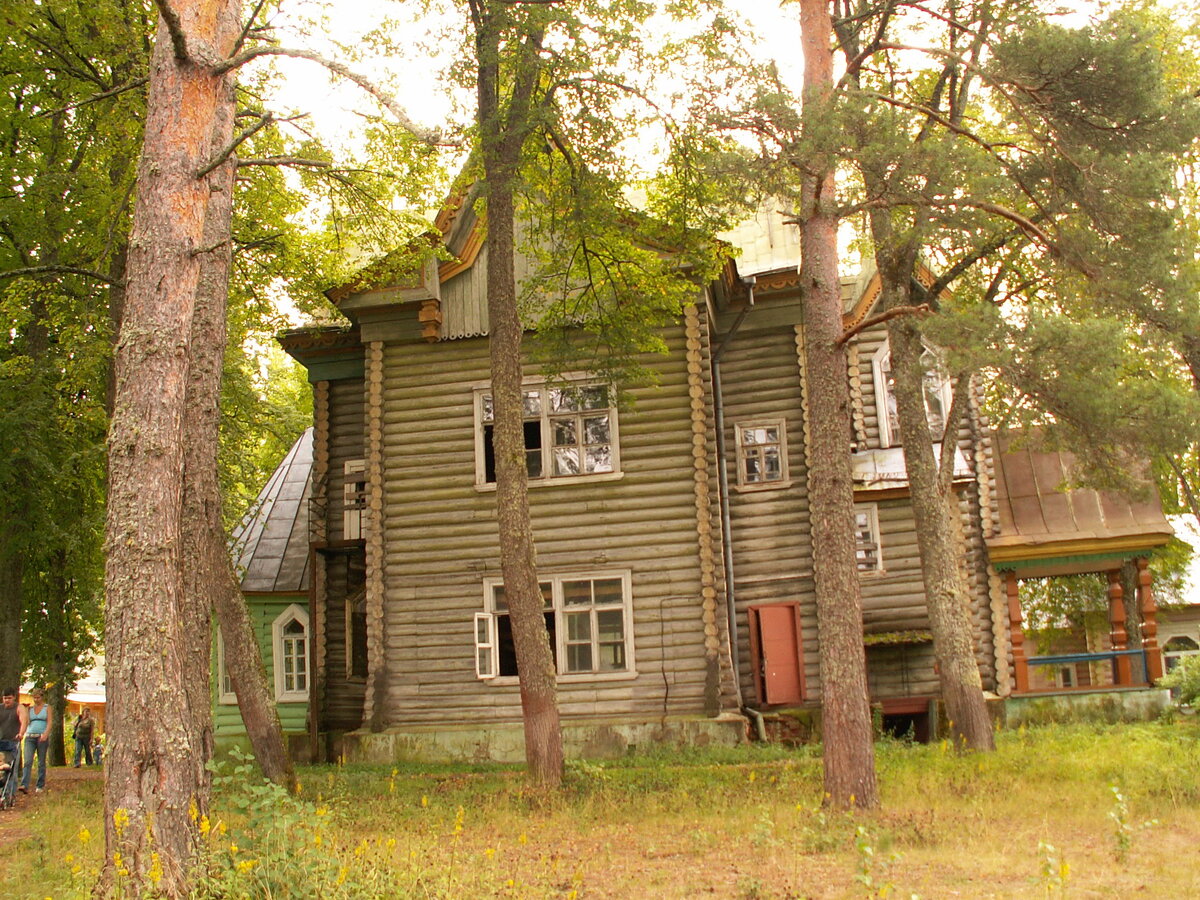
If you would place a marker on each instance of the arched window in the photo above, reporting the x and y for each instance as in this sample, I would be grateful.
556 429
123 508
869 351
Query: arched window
289 634
936 388
1176 649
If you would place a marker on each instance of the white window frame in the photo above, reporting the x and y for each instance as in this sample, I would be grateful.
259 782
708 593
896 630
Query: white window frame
530 386
224 697
885 398
871 512
1177 656
354 499
744 451
296 613
486 631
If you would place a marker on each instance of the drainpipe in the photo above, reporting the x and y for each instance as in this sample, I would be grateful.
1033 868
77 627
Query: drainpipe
726 524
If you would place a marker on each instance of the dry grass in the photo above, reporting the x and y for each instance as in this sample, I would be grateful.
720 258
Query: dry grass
1035 819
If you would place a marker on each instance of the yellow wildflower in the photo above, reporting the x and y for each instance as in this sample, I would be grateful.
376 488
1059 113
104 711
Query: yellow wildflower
222 828
233 849
246 865
391 842
490 852
424 800
84 835
193 810
205 826
342 873
523 839
120 821
156 870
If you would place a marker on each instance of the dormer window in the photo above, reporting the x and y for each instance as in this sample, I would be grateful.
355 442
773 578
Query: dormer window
936 389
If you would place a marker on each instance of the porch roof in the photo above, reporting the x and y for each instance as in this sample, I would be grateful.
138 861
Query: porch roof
1050 526
270 544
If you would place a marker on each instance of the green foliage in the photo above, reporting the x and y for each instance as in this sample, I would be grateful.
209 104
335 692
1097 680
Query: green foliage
1124 830
1185 679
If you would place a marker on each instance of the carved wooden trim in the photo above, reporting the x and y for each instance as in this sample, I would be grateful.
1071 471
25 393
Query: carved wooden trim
1154 664
318 505
1119 636
373 704
1020 665
706 546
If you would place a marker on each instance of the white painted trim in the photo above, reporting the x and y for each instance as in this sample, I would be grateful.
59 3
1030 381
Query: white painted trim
299 614
225 698
556 580
784 479
884 351
872 513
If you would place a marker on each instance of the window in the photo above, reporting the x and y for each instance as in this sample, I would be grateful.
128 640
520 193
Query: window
1176 649
762 454
225 693
354 499
937 391
588 618
289 634
866 533
570 431
356 635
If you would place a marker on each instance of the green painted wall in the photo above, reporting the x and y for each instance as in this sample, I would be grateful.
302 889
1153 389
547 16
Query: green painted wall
227 721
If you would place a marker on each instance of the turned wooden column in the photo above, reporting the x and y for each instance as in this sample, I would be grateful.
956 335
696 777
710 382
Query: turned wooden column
1154 665
1016 634
1116 616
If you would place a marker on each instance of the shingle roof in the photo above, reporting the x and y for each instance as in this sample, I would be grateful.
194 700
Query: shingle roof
270 545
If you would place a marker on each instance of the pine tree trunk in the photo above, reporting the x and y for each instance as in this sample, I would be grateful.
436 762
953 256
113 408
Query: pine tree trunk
154 767
849 753
935 508
208 571
502 140
12 603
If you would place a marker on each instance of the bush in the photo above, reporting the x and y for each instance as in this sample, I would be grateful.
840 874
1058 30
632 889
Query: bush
1184 680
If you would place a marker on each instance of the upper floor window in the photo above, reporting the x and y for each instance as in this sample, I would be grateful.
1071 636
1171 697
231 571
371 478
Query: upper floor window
936 388
570 431
866 535
289 634
762 454
354 499
588 619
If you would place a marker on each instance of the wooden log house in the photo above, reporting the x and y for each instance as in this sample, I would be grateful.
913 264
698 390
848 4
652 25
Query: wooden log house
672 535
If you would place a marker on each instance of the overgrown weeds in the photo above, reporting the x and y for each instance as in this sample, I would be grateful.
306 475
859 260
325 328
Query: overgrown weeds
745 822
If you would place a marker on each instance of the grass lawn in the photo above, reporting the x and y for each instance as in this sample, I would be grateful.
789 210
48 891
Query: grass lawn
1070 811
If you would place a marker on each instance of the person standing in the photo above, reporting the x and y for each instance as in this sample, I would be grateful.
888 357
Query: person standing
13 722
84 725
37 740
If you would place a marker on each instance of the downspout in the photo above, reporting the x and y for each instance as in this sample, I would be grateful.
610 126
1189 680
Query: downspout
726 523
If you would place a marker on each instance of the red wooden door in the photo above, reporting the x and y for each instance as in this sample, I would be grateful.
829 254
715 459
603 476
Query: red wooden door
780 653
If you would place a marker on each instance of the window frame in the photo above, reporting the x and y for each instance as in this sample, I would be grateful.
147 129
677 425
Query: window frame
485 628
224 697
889 436
296 613
354 500
871 510
528 385
740 454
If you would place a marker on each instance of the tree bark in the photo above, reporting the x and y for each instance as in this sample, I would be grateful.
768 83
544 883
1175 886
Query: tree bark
849 753
209 579
155 777
940 539
12 603
502 136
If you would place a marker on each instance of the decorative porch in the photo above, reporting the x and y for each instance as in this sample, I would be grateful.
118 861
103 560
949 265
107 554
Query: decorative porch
1049 527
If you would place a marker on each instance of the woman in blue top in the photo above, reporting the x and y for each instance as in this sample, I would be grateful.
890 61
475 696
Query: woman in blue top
37 739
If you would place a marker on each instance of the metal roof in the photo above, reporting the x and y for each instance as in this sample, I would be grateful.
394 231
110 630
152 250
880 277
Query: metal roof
270 545
1046 517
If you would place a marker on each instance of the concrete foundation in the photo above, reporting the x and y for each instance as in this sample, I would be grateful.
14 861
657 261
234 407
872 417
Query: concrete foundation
506 743
1111 705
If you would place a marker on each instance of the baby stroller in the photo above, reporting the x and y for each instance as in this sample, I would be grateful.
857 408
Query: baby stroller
10 773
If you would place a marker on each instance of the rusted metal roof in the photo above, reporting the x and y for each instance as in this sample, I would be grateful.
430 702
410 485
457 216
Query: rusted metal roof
270 545
1045 515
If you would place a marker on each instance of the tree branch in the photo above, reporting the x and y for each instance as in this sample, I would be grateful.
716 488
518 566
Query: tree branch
433 137
285 161
57 270
871 321
264 119
175 28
